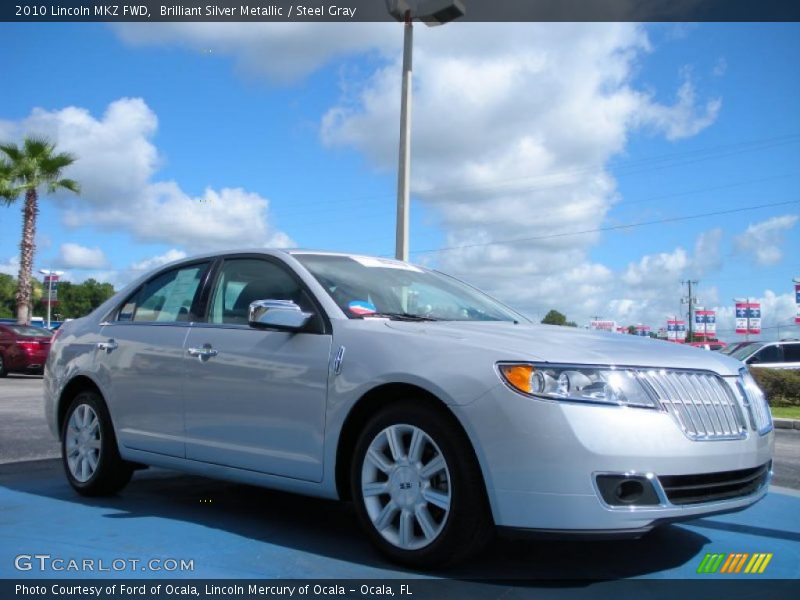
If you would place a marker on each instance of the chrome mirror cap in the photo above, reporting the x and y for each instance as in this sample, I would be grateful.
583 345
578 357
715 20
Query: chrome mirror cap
277 314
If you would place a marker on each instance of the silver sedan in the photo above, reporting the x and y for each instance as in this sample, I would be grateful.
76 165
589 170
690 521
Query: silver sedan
441 413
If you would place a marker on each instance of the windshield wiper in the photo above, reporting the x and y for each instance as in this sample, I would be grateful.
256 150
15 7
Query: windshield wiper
399 316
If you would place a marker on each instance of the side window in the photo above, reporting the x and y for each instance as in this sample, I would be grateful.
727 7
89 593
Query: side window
244 280
791 352
166 299
769 354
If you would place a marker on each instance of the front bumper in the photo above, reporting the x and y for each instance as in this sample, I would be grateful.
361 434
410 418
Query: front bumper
540 461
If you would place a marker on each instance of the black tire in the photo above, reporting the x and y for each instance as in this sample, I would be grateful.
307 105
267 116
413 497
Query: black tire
3 370
468 527
111 473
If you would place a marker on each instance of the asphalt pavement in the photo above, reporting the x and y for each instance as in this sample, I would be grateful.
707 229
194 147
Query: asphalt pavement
23 431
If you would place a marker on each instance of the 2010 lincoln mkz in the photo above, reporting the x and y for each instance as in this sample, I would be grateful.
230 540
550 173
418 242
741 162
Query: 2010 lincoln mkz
441 413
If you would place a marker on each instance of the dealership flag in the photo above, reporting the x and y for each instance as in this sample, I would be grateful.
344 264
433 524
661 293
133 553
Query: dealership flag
797 302
676 330
748 317
705 323
50 289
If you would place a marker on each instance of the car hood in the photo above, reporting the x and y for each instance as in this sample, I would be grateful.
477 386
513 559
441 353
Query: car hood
549 343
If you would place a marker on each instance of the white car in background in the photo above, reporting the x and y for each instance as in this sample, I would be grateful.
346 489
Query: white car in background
783 354
441 413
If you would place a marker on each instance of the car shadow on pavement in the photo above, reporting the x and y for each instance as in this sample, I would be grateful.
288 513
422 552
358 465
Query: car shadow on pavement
330 528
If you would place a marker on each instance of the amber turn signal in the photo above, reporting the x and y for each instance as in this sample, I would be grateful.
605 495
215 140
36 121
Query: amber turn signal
519 376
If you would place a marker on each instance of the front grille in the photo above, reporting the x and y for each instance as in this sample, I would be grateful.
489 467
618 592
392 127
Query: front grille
709 487
701 403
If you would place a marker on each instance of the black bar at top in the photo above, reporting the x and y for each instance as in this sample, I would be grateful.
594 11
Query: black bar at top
375 10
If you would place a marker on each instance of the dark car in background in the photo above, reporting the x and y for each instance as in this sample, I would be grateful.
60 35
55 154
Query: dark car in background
23 349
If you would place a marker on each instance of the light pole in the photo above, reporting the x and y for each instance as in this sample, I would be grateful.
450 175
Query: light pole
431 12
50 274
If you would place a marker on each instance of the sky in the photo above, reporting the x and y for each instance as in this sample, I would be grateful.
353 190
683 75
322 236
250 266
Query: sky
589 168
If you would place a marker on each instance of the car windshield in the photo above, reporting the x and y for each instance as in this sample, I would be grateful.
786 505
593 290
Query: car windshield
27 331
746 350
363 286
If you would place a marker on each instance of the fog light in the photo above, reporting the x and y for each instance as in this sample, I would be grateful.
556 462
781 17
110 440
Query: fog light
627 490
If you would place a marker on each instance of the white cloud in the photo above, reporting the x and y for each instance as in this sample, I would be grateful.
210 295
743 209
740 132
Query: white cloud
10 267
282 52
156 261
117 166
513 128
75 256
762 241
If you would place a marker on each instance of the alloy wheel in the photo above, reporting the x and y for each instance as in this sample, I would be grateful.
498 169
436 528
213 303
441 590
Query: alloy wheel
406 486
83 442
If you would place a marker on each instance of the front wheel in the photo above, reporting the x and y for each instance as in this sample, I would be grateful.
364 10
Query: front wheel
3 371
89 448
417 488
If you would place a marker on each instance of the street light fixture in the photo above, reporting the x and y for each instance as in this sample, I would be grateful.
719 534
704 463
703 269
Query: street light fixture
430 12
50 275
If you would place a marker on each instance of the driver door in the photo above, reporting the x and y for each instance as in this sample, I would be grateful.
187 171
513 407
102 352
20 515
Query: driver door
254 398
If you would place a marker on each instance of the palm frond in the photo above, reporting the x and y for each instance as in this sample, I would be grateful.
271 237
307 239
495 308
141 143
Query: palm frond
12 151
51 166
65 184
38 147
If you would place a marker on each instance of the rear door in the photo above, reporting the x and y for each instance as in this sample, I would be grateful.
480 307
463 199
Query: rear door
142 359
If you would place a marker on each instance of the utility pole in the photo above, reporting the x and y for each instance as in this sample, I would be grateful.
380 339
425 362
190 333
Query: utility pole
404 167
691 301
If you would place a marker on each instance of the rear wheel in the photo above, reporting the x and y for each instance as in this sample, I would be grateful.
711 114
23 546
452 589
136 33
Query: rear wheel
418 489
3 371
89 448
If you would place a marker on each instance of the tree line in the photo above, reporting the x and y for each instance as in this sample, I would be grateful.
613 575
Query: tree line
74 299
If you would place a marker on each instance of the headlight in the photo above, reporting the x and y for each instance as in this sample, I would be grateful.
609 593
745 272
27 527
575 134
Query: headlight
578 383
759 407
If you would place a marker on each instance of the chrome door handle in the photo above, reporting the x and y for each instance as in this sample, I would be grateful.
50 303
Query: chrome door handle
203 353
107 346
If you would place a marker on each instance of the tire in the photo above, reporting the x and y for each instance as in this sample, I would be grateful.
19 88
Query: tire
425 506
3 371
89 449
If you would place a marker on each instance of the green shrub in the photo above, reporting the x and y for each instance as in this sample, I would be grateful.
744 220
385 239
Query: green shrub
782 386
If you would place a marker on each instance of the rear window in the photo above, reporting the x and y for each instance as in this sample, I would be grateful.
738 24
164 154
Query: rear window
27 331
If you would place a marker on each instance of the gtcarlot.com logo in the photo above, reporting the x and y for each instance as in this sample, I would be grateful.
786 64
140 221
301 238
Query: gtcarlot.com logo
735 562
47 562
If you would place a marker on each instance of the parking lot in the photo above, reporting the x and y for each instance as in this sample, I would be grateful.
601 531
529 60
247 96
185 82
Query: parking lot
232 530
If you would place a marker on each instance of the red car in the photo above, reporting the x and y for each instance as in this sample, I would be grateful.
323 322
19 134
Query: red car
23 349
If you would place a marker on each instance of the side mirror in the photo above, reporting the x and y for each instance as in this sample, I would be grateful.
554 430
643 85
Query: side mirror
277 314
752 360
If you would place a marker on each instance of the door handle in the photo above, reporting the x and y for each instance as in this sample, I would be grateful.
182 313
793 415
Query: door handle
203 353
108 346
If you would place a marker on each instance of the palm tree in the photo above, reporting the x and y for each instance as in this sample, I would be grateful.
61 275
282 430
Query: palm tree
29 167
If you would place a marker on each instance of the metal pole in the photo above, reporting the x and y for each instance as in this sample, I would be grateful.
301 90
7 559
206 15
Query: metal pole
747 313
49 297
404 166
691 313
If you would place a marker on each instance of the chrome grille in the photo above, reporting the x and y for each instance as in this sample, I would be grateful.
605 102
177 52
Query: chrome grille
701 403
